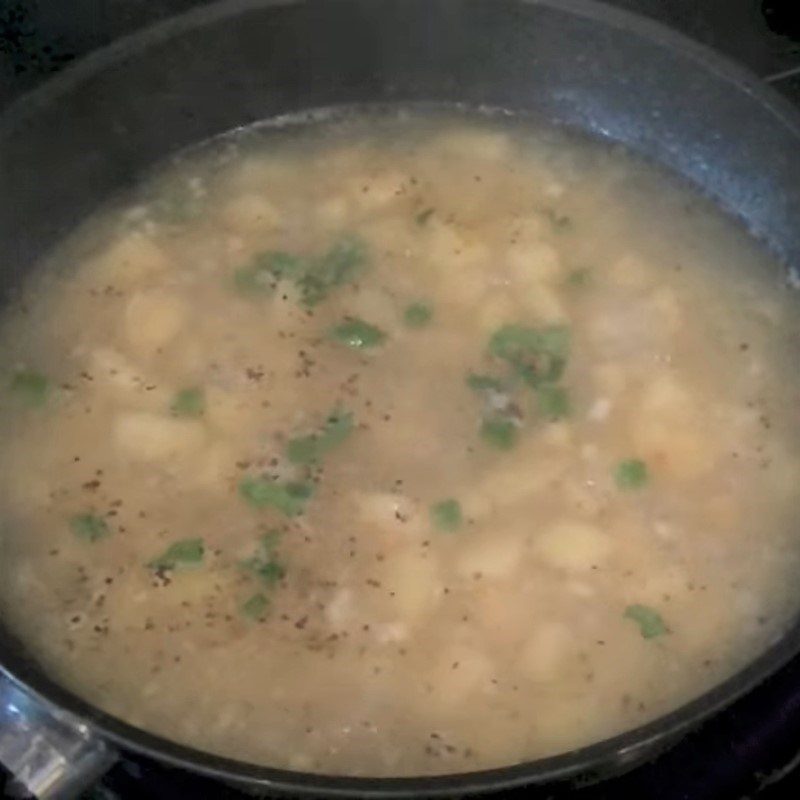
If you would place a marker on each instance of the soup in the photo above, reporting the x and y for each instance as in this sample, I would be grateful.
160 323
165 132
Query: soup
406 444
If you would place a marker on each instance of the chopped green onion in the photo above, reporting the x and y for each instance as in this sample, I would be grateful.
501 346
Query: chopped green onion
270 540
631 474
29 387
182 553
538 355
514 342
341 264
290 498
254 278
424 216
265 269
268 572
314 277
358 334
343 261
553 401
417 315
264 565
285 265
546 370
484 382
579 277
255 607
89 527
500 433
188 403
310 449
446 515
561 222
650 622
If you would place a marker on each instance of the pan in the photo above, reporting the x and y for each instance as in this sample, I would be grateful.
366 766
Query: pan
93 130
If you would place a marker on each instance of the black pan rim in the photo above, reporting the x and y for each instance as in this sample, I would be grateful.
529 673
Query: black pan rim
596 10
584 762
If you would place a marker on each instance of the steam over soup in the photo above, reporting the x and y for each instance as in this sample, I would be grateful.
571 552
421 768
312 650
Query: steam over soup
413 444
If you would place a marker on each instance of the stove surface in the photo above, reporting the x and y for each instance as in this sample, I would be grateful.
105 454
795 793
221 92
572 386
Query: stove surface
752 750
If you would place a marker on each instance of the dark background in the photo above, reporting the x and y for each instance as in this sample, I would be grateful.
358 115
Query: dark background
38 37
752 750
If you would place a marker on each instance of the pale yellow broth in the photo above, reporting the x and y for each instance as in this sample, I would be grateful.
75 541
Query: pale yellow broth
466 577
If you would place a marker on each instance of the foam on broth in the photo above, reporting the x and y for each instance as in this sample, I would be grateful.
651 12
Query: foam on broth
400 445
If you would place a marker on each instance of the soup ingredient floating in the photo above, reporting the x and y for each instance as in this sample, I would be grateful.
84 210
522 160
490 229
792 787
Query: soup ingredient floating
342 445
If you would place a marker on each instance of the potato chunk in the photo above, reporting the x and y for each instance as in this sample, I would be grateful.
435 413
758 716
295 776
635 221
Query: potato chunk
129 261
152 437
545 305
515 482
495 557
449 249
546 651
416 585
228 411
402 591
333 211
153 318
124 380
631 272
534 263
373 192
250 213
390 512
573 546
211 468
461 672
669 434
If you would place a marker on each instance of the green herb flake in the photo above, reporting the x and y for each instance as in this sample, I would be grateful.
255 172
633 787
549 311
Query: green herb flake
650 622
314 277
304 449
269 572
265 565
89 527
30 388
183 553
310 449
513 342
579 277
544 371
254 279
270 540
343 262
189 403
285 265
357 334
423 216
482 383
266 269
631 474
417 315
255 607
553 401
446 515
499 433
538 355
560 222
290 498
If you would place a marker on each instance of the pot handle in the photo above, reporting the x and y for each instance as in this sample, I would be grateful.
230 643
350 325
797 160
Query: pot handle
50 753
